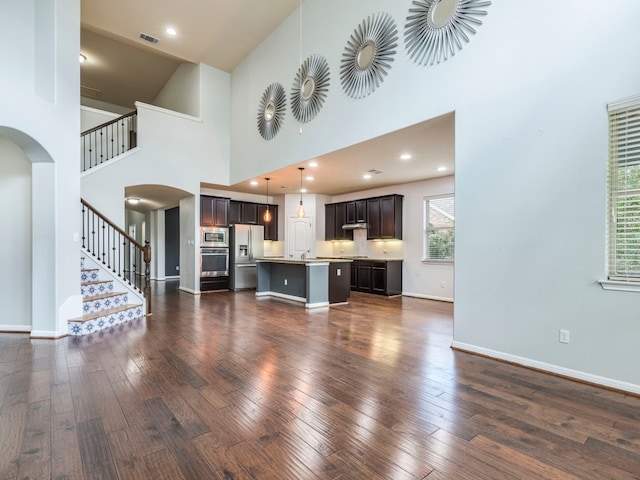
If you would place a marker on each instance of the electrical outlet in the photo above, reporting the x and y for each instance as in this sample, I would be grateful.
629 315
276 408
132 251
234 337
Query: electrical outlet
285 281
177 267
564 336
442 284
338 272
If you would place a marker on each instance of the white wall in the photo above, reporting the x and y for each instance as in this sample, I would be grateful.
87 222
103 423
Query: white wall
530 93
39 45
174 150
189 249
92 117
15 256
182 91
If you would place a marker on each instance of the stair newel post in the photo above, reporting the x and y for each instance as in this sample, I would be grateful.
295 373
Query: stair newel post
147 274
84 219
104 227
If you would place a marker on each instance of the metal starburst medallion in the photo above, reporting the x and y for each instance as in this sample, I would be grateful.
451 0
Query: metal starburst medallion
271 110
368 55
435 29
310 88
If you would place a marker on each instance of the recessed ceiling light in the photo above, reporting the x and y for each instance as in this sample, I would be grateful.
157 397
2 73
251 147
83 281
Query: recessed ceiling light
313 164
82 58
366 176
133 201
405 156
442 169
309 178
303 190
253 183
171 31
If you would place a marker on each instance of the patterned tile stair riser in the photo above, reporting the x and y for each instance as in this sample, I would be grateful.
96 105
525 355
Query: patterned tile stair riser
103 308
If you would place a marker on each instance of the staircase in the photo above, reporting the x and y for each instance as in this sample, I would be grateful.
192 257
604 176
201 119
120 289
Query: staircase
103 305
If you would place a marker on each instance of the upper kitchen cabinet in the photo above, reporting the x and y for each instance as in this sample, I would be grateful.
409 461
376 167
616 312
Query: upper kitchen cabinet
384 217
271 227
356 211
335 217
243 212
214 211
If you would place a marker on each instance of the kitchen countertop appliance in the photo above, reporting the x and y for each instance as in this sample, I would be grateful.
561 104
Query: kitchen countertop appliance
247 244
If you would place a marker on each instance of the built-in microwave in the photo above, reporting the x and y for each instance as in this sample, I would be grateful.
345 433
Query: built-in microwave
214 237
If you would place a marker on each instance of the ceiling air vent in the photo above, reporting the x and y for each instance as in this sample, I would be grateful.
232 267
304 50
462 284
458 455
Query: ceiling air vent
374 171
148 38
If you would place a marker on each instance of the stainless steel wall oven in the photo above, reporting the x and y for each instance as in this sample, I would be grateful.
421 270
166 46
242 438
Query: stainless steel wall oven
214 262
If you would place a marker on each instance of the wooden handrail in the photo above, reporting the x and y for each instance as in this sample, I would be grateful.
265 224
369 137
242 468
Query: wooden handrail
105 124
110 245
114 226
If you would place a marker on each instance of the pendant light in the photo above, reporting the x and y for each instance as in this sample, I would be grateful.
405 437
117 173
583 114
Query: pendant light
301 212
267 214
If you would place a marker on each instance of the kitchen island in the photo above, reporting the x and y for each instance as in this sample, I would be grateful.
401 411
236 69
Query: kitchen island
313 282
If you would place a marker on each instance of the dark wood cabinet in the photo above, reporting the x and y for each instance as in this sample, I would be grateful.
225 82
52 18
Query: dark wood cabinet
373 218
235 212
214 211
384 217
335 217
341 219
249 213
351 212
270 228
364 275
356 211
339 278
330 222
243 212
361 211
382 277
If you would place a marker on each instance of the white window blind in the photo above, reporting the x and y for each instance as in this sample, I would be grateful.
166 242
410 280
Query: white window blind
439 221
624 190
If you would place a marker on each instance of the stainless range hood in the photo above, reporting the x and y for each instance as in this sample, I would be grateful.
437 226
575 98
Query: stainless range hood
354 226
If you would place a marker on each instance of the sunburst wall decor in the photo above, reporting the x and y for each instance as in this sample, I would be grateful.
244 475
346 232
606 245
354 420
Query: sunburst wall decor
310 88
435 29
271 110
368 55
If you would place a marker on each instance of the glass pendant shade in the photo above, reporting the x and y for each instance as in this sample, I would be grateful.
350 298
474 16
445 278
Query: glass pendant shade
301 212
267 214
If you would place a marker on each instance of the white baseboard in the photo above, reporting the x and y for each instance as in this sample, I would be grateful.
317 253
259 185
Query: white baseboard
547 367
47 334
427 297
283 296
15 328
188 290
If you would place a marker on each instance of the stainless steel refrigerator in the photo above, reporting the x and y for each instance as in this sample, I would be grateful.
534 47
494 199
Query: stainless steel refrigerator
247 244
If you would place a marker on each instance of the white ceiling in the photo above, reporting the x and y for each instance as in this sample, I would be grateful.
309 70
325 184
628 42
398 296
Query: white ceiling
121 69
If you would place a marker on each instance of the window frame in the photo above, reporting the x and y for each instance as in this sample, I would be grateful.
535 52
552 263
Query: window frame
426 229
624 147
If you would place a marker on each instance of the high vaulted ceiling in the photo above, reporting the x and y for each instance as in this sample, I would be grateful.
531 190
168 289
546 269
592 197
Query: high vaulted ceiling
121 69
219 33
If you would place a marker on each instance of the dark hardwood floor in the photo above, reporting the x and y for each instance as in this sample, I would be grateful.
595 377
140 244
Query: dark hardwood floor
224 386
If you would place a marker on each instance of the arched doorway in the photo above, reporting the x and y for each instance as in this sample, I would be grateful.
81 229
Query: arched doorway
28 214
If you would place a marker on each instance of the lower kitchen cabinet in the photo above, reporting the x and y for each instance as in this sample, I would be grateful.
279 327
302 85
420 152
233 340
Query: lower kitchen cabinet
208 284
382 277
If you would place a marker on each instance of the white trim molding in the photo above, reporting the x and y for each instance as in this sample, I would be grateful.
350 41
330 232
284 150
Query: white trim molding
15 328
549 368
620 286
427 297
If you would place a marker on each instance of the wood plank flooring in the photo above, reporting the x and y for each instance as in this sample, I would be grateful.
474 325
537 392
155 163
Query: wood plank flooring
226 386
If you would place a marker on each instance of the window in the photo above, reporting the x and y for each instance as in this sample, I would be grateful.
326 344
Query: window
439 222
624 191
